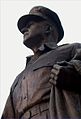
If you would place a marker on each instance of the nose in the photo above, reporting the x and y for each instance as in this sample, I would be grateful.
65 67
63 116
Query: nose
25 29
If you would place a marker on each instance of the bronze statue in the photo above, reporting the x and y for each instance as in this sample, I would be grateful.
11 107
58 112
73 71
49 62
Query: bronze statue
49 86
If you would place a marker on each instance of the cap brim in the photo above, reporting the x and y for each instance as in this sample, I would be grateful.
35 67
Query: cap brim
22 22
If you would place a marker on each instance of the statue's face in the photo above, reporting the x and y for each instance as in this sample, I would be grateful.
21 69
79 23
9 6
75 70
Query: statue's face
34 33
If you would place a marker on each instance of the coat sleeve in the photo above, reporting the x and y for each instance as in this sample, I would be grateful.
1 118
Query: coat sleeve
8 112
76 60
69 77
76 71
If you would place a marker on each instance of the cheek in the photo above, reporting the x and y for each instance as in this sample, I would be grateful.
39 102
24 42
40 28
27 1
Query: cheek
38 29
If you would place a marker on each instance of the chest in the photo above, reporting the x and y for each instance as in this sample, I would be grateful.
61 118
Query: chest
32 88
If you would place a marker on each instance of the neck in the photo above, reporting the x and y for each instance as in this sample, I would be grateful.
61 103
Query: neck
45 50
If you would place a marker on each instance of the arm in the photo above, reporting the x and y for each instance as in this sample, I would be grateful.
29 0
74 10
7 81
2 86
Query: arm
9 112
67 75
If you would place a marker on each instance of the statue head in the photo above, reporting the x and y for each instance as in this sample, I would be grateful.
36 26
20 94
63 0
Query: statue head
40 26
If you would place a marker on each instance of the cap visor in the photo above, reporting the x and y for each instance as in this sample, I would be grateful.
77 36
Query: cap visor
22 22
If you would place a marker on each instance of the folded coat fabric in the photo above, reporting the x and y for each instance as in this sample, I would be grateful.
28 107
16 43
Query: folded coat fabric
32 87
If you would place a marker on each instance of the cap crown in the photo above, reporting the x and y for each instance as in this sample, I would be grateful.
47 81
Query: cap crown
49 15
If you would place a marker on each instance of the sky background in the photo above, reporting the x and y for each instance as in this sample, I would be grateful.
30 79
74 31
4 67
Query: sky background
13 52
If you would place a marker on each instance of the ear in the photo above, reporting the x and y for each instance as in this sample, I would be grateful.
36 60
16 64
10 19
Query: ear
48 29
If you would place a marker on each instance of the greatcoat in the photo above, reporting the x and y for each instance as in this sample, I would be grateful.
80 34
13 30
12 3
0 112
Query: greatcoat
32 96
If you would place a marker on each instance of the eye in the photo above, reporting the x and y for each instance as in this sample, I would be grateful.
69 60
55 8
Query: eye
29 24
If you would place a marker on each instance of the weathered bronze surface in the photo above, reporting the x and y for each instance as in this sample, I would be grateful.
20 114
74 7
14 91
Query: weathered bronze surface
49 86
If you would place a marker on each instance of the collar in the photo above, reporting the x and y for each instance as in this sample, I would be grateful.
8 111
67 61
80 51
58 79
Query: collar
47 47
28 58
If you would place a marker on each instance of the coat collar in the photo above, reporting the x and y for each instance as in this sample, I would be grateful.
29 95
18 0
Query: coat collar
49 58
50 46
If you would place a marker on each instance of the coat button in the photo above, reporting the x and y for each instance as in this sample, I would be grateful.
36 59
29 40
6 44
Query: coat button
23 77
25 97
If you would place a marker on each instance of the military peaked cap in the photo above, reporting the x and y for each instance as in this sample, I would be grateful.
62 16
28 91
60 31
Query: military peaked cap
41 13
